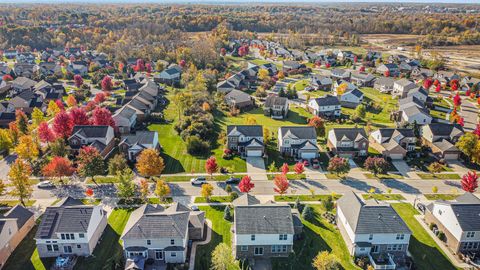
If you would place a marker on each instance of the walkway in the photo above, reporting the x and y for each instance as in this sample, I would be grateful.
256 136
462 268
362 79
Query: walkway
193 251
256 168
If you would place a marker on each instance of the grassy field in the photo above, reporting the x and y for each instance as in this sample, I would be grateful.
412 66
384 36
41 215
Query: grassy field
425 252
214 199
303 198
384 197
446 197
383 176
221 233
450 176
290 176
319 236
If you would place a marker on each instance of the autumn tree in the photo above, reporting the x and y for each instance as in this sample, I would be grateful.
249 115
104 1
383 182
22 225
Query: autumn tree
211 166
90 163
58 167
376 165
223 259
149 163
434 168
319 124
125 186
144 189
207 191
250 120
78 80
78 116
52 109
99 98
281 184
299 168
37 117
6 141
3 187
62 125
457 100
71 101
263 74
338 166
285 169
246 184
469 143
19 175
21 120
27 148
102 117
326 261
470 182
117 164
162 190
106 83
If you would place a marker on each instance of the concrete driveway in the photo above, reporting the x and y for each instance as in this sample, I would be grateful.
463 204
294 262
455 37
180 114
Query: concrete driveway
403 168
262 264
352 163
256 168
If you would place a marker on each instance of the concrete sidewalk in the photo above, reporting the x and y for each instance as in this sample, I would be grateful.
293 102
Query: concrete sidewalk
193 251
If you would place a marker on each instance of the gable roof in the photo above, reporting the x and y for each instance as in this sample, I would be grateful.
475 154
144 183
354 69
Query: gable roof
140 137
352 134
445 130
466 209
298 132
246 199
90 131
263 219
275 100
20 213
238 96
246 130
327 100
404 82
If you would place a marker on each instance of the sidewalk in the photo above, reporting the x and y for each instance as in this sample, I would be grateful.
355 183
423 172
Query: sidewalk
193 251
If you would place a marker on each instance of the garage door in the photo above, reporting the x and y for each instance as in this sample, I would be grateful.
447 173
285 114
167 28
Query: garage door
254 153
451 156
307 155
396 156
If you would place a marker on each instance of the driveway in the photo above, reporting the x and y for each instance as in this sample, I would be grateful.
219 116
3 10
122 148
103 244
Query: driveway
352 163
262 264
404 169
256 168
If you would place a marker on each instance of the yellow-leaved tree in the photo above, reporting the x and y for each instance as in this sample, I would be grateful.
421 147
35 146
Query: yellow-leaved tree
149 163
27 148
19 177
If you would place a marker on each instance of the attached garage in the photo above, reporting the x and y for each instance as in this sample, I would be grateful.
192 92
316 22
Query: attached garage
308 155
451 156
254 153
396 156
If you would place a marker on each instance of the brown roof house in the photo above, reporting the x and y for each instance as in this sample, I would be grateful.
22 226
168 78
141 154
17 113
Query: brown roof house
394 143
441 138
348 142
239 99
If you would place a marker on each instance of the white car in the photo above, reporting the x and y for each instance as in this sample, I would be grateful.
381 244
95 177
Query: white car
45 184
198 180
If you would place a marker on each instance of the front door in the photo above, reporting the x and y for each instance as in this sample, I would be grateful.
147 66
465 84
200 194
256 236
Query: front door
374 249
258 251
158 254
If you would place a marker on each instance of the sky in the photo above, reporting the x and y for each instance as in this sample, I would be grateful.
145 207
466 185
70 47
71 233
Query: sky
240 1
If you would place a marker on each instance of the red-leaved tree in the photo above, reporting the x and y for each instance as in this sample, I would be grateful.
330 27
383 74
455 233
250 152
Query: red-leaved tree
79 116
284 168
386 73
223 51
102 117
60 104
78 80
58 167
299 168
438 88
107 84
148 68
182 63
7 78
470 182
457 100
45 134
211 165
427 83
140 65
246 184
281 184
62 125
99 98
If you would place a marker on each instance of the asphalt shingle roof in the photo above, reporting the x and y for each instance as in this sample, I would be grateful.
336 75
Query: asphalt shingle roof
299 132
246 130
263 219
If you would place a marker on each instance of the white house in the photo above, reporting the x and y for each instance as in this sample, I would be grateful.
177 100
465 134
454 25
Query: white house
414 114
326 106
132 144
402 87
298 141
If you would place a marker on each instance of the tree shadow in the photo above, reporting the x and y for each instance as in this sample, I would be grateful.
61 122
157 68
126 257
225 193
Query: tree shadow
316 184
356 184
402 186
456 184
172 165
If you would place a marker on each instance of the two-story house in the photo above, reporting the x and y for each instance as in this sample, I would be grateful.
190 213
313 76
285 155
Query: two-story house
389 68
298 141
239 100
374 229
100 137
340 74
321 83
153 232
363 79
326 106
441 138
70 228
132 144
350 98
276 107
458 220
384 84
125 119
247 140
402 87
348 142
78 68
394 143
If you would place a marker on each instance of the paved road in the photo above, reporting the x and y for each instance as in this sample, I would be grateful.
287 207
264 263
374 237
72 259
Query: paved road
5 165
469 113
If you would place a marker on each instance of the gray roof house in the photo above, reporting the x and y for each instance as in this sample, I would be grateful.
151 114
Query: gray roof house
298 141
326 106
247 140
348 142
393 142
70 228
362 78
402 87
276 107
100 137
374 229
340 74
441 138
153 232
239 99
384 84
132 144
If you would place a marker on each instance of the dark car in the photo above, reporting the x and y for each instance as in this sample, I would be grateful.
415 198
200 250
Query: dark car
305 163
232 180
315 163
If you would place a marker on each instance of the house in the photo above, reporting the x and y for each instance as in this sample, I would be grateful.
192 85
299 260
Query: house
402 87
384 84
14 226
374 229
49 69
6 118
169 76
225 87
131 145
441 138
362 79
325 106
27 101
419 93
239 99
153 232
373 55
27 58
348 142
263 230
24 69
272 68
246 140
410 101
125 119
393 143
78 68
340 74
470 83
100 137
346 55
321 83
390 68
458 220
421 73
70 228
445 77
298 141
415 114
21 84
291 65
350 98
10 54
276 107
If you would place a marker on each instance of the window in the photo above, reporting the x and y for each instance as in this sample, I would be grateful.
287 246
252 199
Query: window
258 251
173 254
396 247
282 237
370 237
55 247
252 237
149 242
79 246
470 234
72 236
81 235
67 249
172 241
400 236
62 236
244 248
67 236
49 247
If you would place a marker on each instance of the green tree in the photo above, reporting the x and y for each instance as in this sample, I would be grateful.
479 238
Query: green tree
360 112
6 141
90 163
326 261
126 187
435 168
468 145
222 258
117 164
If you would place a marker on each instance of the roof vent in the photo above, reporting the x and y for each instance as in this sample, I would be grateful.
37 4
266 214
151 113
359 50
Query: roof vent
380 216
264 217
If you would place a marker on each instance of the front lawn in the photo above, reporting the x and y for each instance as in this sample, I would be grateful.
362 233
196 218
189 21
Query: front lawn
214 199
384 197
303 198
290 176
12 203
445 197
450 176
220 234
187 178
319 235
109 251
383 176
426 253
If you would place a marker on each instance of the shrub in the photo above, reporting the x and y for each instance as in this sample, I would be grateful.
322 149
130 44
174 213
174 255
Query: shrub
328 204
196 146
228 189
233 195
298 205
441 236
227 215
307 213
431 226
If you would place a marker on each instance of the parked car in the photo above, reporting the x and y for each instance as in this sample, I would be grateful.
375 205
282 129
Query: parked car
194 208
315 163
232 180
45 184
305 162
198 180
309 88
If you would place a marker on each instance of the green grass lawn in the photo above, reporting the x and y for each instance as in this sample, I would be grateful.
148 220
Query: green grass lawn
12 203
214 199
187 178
102 180
109 251
446 197
384 197
383 176
220 234
451 176
303 198
319 235
425 252
290 176
379 118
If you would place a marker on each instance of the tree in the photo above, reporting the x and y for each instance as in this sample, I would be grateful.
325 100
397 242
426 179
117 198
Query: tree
62 125
106 83
102 117
149 163
3 187
99 98
6 141
162 190
19 177
250 120
338 165
299 168
438 88
325 261
148 68
457 100
211 166
227 213
58 147
376 165
140 66
52 109
319 124
308 213
360 112
58 167
470 182
117 164
45 134
222 258
281 184
79 116
90 163
21 121
144 189
263 74
246 184
207 190
285 168
60 105
434 168
427 83
27 148
78 80
125 186
37 117
71 101
159 66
